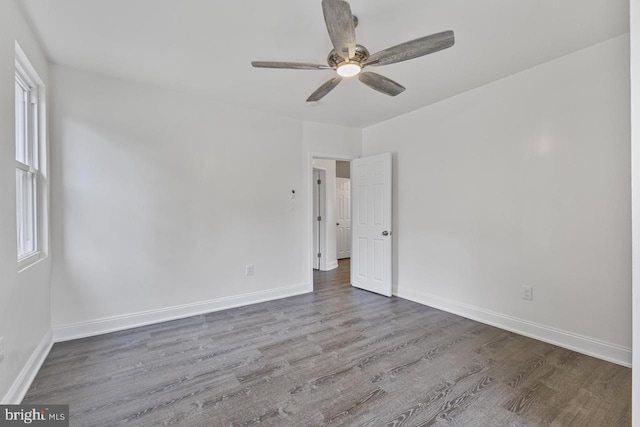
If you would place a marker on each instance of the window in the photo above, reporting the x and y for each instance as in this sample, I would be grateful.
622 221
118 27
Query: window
28 172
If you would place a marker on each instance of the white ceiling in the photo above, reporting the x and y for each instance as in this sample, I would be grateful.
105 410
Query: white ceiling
207 46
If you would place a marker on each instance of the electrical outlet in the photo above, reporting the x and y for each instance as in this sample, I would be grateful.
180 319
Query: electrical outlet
1 349
527 293
249 270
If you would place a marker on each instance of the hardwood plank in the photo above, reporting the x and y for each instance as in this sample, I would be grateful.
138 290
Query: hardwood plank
338 356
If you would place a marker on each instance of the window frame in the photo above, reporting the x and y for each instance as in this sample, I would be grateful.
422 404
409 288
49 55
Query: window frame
27 78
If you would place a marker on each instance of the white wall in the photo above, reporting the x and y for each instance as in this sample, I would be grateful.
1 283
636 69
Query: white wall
331 141
524 181
635 159
24 296
329 259
161 198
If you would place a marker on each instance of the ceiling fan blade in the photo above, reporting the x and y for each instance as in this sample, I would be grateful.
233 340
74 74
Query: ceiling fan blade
324 89
289 65
340 24
381 83
412 49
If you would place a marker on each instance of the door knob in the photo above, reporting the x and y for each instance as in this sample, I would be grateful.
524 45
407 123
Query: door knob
385 233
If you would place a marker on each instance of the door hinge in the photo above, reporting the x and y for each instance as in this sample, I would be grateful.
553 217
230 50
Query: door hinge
319 255
319 181
319 218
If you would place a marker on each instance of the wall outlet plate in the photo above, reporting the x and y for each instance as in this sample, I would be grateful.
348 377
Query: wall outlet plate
249 270
527 293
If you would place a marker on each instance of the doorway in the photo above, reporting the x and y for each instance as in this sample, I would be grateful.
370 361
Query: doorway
370 201
331 213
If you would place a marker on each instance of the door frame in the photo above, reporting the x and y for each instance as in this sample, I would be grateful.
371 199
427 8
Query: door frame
309 174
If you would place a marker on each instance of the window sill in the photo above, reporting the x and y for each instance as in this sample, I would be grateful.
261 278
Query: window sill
30 260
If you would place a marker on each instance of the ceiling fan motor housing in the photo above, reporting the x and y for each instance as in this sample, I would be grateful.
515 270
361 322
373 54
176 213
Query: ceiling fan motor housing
334 59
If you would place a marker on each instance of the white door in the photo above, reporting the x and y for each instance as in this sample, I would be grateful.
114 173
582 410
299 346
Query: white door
316 215
343 220
371 223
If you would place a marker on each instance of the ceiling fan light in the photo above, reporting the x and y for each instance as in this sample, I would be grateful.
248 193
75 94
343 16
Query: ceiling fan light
349 69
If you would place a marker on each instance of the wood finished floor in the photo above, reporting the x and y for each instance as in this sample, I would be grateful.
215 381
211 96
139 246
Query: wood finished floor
338 356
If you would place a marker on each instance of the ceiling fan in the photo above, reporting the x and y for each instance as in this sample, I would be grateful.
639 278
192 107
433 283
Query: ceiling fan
348 59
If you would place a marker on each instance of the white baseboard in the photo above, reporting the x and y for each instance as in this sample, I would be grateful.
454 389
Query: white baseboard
332 265
133 320
590 346
22 383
